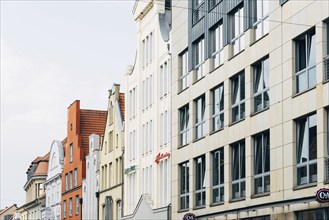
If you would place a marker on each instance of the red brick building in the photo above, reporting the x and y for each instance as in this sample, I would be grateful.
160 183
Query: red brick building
80 124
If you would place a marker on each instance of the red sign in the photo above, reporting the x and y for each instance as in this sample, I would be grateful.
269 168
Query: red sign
161 156
189 216
322 195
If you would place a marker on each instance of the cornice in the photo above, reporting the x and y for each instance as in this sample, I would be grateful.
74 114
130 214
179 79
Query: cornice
144 12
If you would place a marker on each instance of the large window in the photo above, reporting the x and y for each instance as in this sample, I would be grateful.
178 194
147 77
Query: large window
217 46
306 144
164 75
262 162
200 106
71 153
260 18
184 186
75 177
316 214
305 61
217 108
213 3
237 39
70 178
198 10
64 208
184 80
183 124
218 175
238 170
200 188
70 207
66 182
261 85
238 97
76 205
199 58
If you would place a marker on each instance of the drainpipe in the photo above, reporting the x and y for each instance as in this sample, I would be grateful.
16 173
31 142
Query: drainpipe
122 181
81 201
97 196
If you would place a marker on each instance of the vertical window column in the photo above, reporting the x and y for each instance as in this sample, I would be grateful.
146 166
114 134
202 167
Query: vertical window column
184 186
200 187
238 170
218 176
238 97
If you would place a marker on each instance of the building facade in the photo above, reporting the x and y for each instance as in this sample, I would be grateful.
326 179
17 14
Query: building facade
8 212
111 158
81 123
34 188
53 183
90 185
148 95
250 109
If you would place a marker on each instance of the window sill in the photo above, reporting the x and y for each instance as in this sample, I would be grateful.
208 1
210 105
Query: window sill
260 111
199 139
260 195
198 80
237 200
259 39
182 146
325 81
199 207
182 210
216 204
218 130
304 186
217 67
235 55
236 122
182 90
305 91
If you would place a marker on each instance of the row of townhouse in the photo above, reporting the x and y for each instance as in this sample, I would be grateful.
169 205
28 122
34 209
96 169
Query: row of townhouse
225 116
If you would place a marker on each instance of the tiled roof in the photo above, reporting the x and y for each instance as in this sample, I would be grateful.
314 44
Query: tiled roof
42 168
122 105
6 209
91 122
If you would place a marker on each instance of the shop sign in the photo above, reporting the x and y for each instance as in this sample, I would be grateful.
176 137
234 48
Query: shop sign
189 216
161 156
130 169
322 195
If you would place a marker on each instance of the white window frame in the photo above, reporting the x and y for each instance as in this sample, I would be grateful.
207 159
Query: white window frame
184 75
200 178
237 41
200 119
261 90
218 170
238 150
76 205
217 107
262 158
184 182
303 149
199 58
261 18
64 208
217 45
238 97
183 124
326 58
309 72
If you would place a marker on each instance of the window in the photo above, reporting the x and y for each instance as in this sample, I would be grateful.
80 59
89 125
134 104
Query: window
184 80
64 208
199 59
70 176
132 102
163 79
306 150
164 128
316 214
198 10
76 205
326 58
238 97
163 182
200 188
217 108
262 163
237 40
75 177
305 61
260 18
217 46
70 207
238 170
261 85
183 124
200 106
259 218
213 3
184 185
66 182
71 153
218 175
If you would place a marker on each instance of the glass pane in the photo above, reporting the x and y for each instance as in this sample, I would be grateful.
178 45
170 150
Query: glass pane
243 161
311 50
302 141
215 195
265 7
235 157
258 81
266 25
235 191
235 114
258 30
215 180
266 147
312 138
216 123
258 185
311 77
300 54
221 120
301 82
258 103
266 99
258 155
267 182
313 173
242 111
243 189
242 92
302 175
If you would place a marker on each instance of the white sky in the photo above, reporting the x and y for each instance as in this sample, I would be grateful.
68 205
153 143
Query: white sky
52 53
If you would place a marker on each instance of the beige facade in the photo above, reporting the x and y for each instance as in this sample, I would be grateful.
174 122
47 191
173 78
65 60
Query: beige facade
111 158
271 101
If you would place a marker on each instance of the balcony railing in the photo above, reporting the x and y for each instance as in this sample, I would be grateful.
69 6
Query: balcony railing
198 12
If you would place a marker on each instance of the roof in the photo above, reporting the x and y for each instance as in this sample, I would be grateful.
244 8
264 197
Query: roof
2 211
122 105
42 167
91 122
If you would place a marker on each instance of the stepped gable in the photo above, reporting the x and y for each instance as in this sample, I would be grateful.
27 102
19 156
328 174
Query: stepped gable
122 105
91 122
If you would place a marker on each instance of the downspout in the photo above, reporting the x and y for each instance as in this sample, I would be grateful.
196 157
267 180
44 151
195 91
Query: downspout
97 196
81 201
122 180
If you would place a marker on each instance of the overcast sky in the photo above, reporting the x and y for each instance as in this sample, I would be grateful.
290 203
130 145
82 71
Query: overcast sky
52 53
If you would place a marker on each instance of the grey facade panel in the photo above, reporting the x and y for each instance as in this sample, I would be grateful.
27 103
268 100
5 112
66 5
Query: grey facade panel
198 29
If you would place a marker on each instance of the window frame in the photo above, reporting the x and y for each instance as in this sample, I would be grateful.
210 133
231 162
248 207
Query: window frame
264 174
70 207
199 52
303 52
217 44
184 70
184 181
263 20
199 181
218 171
71 152
264 89
64 208
324 210
301 149
200 122
76 177
326 58
217 115
240 167
239 37
183 129
240 102
66 182
76 205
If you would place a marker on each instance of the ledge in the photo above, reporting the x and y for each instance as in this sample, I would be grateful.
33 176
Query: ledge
304 186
